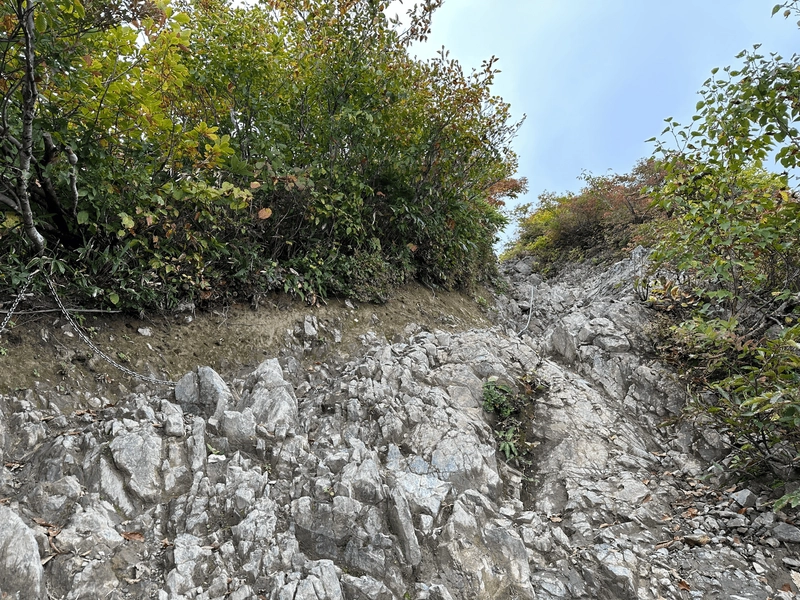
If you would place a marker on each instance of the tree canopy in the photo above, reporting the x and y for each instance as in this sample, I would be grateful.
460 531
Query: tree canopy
161 151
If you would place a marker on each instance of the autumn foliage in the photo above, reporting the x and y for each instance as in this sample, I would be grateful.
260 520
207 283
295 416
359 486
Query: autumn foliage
603 216
200 150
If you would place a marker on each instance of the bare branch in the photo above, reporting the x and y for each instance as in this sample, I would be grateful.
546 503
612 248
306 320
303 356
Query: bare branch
9 202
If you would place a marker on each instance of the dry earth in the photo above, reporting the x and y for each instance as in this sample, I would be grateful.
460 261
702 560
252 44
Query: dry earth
41 350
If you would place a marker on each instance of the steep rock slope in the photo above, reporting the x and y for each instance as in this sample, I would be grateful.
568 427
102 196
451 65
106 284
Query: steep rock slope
379 478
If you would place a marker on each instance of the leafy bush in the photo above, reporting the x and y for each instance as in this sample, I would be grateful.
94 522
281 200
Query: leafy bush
196 149
733 243
605 214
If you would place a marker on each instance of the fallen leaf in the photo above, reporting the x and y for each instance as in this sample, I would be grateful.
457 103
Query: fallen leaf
684 586
255 185
795 577
134 536
787 587
556 518
265 213
689 513
647 498
694 541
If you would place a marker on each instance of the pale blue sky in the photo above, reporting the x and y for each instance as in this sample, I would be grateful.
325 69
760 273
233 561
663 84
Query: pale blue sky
597 78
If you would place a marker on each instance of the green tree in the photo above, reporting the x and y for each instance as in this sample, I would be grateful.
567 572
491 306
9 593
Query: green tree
734 244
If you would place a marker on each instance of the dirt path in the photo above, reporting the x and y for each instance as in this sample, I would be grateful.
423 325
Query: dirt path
42 352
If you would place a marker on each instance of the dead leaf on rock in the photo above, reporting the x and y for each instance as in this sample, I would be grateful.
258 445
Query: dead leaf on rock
133 536
556 518
795 577
682 585
695 541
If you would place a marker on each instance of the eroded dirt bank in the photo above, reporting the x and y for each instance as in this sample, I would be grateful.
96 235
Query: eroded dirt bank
42 351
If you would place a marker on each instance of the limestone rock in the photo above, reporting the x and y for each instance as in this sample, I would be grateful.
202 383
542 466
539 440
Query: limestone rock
21 573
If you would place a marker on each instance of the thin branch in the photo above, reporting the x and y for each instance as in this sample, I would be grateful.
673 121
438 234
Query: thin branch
9 202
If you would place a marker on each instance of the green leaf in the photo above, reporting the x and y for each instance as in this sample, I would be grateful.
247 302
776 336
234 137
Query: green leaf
40 22
114 298
83 217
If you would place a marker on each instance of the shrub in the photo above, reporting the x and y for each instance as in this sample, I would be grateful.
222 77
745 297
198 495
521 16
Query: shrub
288 145
604 215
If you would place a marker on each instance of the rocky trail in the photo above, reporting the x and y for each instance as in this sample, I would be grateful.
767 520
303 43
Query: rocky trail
378 475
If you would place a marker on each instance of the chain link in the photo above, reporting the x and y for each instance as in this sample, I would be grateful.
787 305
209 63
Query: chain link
17 301
97 350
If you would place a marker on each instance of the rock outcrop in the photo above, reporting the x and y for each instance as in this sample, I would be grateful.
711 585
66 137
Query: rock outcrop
380 478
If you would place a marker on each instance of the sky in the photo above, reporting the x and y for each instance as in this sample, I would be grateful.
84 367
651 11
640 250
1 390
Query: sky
595 78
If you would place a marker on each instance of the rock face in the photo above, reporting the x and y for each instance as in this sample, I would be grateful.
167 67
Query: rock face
380 478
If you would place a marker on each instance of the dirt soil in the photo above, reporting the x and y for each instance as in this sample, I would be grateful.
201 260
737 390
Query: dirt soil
43 353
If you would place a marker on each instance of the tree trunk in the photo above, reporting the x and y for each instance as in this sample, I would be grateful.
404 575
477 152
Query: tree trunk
29 98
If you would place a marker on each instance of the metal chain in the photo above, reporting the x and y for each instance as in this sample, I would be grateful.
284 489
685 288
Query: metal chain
97 350
17 301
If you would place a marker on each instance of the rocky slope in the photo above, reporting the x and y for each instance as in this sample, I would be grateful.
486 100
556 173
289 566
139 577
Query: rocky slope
379 477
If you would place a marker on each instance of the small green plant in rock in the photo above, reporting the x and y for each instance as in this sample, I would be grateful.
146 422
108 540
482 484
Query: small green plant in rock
508 442
498 399
792 499
511 409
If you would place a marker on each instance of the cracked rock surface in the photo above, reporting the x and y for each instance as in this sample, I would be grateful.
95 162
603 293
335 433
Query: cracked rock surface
379 478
